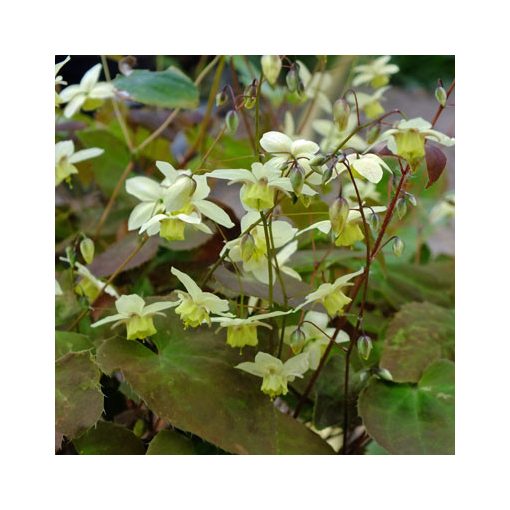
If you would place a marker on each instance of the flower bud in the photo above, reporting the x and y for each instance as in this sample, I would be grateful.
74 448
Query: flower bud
401 207
398 246
364 344
250 95
247 246
292 80
87 250
441 96
221 97
411 199
316 163
341 113
374 221
326 176
338 213
271 67
297 178
297 340
232 121
384 374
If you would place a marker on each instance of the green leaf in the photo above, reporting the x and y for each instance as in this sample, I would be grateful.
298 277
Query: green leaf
405 282
411 419
68 341
108 167
419 334
166 89
330 399
192 383
79 401
107 438
168 442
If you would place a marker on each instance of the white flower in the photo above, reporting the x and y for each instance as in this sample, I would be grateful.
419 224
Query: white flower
332 135
91 286
137 316
58 289
351 232
369 166
331 295
59 81
367 191
370 103
195 305
178 200
259 184
274 372
316 340
242 332
254 256
316 85
376 72
88 94
286 150
407 139
65 157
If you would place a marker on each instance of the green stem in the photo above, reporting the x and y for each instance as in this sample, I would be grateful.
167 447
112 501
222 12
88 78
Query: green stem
269 262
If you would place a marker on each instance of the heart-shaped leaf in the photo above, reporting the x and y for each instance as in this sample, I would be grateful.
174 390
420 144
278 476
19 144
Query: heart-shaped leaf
79 401
192 383
166 89
68 341
419 334
409 419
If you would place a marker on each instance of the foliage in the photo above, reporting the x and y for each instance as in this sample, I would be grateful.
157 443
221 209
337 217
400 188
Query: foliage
244 261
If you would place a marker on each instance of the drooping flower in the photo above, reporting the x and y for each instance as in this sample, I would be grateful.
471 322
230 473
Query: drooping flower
242 332
352 229
251 248
333 136
275 374
316 85
368 166
407 139
195 305
89 94
169 206
377 72
59 81
370 103
316 339
136 315
259 184
331 295
90 286
285 150
66 157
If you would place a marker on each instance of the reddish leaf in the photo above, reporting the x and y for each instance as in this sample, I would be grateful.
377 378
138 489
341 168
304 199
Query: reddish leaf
436 162
107 262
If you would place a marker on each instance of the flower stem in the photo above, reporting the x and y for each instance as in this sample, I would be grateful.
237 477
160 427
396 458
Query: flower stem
269 262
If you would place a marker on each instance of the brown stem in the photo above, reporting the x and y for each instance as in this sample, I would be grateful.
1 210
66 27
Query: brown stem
111 201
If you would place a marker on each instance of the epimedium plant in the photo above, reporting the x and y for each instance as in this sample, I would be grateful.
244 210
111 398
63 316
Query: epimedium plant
265 254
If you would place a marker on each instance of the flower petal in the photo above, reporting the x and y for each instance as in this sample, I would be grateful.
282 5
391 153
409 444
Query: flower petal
193 289
214 212
141 214
90 77
159 306
129 304
144 189
74 105
110 318
85 154
276 142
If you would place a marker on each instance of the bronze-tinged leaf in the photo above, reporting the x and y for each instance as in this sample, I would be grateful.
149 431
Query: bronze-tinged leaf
108 261
413 419
418 335
192 384
78 397
436 162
